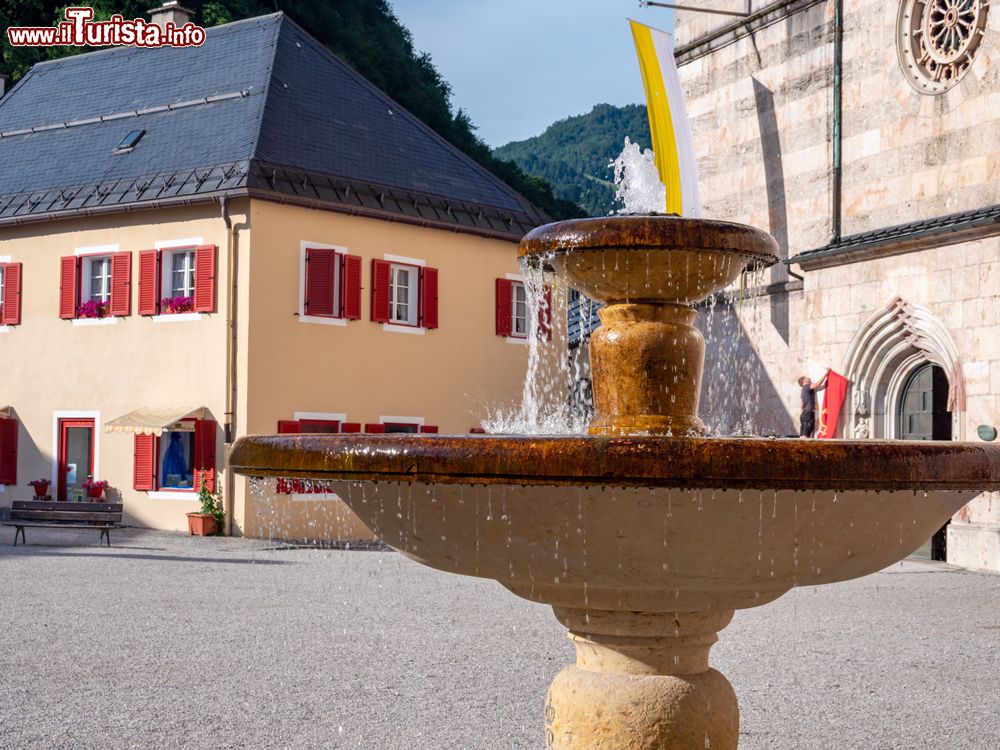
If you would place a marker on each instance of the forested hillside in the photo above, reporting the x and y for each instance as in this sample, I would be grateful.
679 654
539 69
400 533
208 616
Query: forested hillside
573 155
364 33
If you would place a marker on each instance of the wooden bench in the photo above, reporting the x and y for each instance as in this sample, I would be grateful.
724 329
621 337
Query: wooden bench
44 514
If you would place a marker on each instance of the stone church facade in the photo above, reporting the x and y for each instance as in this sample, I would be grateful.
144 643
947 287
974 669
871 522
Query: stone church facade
865 136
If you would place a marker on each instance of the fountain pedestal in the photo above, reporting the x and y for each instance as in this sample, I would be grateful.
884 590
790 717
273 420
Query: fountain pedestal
641 682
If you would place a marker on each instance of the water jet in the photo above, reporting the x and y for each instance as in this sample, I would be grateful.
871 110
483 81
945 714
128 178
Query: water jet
644 535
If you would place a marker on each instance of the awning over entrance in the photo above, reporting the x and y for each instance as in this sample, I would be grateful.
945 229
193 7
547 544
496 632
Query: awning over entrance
151 420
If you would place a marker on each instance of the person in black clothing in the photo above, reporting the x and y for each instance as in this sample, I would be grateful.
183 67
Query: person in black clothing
807 419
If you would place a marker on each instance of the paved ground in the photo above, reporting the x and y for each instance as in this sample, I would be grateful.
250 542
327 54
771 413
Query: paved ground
167 641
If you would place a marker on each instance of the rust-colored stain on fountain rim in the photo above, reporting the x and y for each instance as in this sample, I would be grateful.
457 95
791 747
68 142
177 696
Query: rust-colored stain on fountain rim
651 232
717 463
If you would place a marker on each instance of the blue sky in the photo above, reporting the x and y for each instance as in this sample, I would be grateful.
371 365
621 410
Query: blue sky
517 66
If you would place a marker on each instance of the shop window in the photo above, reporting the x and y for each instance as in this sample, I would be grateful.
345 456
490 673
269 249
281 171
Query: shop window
176 459
179 459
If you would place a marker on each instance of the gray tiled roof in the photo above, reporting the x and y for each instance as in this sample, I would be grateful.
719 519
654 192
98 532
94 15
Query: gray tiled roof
940 229
260 109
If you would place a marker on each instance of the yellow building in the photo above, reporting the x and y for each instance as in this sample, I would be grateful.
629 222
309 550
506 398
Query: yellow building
245 237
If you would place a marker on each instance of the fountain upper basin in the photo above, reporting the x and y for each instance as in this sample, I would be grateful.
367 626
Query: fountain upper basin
648 258
652 524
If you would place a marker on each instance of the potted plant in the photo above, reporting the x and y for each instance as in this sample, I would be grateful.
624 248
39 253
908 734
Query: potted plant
171 305
210 519
95 488
41 487
92 309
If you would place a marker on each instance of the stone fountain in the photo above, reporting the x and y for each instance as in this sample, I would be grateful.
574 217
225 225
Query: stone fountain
645 535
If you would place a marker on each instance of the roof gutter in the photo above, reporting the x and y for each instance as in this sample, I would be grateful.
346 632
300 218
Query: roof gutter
120 208
272 196
266 195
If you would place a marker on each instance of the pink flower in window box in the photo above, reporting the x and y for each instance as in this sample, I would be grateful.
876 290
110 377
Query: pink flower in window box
92 309
170 305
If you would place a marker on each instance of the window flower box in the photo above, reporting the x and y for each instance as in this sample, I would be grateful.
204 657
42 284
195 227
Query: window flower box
171 305
93 309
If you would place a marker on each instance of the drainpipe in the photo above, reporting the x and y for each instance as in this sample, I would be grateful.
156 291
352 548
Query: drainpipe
229 498
838 136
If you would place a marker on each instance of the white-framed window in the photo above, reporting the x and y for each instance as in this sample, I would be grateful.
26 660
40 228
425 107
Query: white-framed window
96 278
403 294
177 267
519 310
176 457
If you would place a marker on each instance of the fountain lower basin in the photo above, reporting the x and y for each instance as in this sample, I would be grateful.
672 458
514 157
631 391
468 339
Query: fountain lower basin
653 524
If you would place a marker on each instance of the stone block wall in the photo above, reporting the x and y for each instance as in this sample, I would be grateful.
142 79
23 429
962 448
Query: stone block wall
762 114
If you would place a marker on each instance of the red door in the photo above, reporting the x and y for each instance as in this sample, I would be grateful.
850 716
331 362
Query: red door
76 457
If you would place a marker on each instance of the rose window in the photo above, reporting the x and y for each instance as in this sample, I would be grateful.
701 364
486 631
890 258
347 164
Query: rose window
937 40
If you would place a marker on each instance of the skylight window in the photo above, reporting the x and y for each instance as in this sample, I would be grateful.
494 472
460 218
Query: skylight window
129 141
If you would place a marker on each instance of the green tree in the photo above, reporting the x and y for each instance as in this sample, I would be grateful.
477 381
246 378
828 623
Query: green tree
574 155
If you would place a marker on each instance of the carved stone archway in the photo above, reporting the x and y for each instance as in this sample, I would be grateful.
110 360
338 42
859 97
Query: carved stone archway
895 341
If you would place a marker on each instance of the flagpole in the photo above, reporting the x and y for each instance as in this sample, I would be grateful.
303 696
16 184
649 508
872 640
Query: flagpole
674 6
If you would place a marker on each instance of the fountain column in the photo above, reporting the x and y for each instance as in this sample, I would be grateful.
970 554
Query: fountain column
646 361
641 682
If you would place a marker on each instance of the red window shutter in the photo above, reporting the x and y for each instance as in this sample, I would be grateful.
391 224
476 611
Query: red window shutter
319 281
288 426
429 297
204 452
121 283
149 282
11 294
8 450
505 309
545 314
350 427
350 274
204 278
380 291
144 463
430 429
69 268
375 428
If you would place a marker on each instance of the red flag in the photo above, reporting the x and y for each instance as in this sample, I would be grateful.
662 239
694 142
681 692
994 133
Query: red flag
836 391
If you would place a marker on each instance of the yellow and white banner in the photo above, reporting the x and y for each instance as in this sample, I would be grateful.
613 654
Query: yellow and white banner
668 121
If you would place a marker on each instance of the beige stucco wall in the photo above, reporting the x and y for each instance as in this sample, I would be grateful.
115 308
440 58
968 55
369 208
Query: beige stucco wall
51 366
450 376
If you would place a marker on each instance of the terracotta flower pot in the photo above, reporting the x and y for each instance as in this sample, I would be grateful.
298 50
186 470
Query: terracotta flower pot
202 524
41 490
